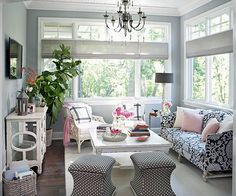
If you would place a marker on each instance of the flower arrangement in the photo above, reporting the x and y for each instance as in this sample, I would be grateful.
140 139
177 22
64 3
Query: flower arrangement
31 88
166 106
120 112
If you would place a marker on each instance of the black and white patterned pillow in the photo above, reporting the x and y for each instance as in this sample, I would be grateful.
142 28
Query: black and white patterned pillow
219 115
168 120
80 114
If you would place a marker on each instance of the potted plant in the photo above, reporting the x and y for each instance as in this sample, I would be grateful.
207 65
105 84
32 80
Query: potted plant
52 85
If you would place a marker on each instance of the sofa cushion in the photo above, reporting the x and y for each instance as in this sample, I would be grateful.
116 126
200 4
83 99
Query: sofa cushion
168 120
219 115
226 124
211 128
191 122
179 115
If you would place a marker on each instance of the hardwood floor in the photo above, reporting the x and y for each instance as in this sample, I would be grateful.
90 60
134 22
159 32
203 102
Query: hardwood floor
52 180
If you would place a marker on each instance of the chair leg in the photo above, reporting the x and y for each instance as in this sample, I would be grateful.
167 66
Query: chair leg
204 176
180 158
79 146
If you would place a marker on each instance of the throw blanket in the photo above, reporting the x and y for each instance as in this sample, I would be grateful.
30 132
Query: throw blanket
67 127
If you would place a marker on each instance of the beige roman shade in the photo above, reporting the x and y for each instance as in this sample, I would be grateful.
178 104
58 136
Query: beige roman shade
219 43
106 49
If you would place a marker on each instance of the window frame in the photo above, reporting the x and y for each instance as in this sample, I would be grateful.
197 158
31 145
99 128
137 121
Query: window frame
187 99
109 100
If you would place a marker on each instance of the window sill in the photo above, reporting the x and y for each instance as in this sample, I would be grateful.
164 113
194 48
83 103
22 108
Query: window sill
116 101
205 105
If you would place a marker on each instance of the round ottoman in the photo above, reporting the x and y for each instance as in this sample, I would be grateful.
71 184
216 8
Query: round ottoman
152 174
92 175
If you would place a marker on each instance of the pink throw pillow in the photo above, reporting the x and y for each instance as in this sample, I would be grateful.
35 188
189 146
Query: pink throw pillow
192 122
211 127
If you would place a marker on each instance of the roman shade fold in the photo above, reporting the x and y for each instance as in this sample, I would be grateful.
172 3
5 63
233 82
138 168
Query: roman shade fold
106 49
219 43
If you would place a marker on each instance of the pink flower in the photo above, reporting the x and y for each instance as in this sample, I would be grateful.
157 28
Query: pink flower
115 131
167 104
120 112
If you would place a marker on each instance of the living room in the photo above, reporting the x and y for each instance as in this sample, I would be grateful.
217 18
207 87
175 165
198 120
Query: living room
116 70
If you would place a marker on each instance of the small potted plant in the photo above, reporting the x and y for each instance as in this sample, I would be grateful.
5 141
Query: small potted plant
52 85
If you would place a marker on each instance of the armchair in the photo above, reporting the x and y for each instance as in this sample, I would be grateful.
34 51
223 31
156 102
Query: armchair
78 120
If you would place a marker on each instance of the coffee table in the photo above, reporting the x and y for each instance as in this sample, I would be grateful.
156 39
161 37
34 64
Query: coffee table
129 145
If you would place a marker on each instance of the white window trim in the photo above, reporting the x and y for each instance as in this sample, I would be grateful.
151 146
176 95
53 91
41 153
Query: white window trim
106 100
187 84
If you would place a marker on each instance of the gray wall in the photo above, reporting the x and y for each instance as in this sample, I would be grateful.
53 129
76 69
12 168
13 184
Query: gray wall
104 110
14 26
1 87
211 5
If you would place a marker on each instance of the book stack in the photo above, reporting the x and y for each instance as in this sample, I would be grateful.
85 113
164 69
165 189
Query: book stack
103 127
140 130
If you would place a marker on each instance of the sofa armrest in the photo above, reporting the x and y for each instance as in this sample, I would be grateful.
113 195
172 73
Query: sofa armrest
218 152
98 118
168 120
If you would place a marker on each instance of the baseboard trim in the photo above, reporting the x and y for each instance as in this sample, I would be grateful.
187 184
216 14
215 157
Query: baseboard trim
57 135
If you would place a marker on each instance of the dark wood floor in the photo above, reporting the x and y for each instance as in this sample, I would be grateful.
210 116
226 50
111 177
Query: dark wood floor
52 180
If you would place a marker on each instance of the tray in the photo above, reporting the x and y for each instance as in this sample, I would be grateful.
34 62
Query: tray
114 138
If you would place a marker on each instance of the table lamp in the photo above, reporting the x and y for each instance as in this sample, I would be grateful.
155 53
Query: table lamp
163 78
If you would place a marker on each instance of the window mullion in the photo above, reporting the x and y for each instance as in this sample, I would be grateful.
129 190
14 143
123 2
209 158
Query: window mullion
208 79
137 78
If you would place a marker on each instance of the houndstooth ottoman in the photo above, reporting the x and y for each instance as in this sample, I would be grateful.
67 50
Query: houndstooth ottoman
152 174
92 176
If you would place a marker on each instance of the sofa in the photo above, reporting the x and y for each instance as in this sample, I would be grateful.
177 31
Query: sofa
214 156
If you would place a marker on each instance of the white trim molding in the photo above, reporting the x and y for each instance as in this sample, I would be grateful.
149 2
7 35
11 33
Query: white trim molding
101 7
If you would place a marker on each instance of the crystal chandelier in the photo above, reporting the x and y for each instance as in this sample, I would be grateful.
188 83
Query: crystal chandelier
125 19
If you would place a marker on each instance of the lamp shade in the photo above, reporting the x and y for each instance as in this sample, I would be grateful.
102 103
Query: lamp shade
164 78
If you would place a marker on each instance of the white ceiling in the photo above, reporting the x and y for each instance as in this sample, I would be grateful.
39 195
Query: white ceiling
151 7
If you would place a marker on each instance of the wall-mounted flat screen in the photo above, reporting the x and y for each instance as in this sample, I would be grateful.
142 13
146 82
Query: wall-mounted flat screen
15 59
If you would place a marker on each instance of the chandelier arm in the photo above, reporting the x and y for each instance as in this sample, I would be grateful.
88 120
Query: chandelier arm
141 27
110 27
118 26
134 27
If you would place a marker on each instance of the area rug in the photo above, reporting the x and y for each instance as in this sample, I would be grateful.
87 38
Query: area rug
186 179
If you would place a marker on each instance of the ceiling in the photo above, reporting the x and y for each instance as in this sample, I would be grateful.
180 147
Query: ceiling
151 7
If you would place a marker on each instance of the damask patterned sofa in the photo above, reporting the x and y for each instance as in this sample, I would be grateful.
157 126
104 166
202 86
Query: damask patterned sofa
212 156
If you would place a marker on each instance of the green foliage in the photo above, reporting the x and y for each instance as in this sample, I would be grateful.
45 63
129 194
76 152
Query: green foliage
52 85
107 78
199 78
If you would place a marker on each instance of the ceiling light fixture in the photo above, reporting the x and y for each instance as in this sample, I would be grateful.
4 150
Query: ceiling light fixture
125 19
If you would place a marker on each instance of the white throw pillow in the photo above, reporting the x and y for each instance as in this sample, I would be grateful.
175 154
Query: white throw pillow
80 114
179 115
226 124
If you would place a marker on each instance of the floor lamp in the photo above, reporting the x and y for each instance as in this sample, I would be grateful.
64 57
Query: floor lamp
163 78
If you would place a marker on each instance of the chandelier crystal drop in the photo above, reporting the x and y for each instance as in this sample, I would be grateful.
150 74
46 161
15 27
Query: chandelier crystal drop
125 19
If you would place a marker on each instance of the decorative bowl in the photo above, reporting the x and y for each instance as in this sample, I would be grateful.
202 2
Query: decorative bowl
142 138
114 137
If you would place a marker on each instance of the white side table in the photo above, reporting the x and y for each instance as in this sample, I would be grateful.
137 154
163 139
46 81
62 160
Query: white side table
26 138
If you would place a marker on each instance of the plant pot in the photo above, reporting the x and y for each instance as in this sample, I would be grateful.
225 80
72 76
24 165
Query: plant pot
48 137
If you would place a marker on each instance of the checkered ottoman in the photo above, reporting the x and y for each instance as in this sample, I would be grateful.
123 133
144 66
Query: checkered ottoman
152 174
92 176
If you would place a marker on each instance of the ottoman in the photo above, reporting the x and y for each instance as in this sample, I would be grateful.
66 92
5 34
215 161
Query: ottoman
92 175
152 174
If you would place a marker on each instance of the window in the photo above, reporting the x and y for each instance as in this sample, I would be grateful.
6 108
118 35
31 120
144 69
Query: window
209 25
148 86
55 30
107 78
129 72
198 78
208 77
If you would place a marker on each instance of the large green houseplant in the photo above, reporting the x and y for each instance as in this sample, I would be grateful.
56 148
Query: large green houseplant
52 85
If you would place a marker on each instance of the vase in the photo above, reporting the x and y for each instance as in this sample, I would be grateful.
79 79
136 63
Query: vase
118 123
